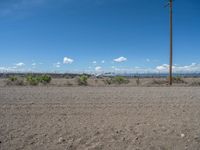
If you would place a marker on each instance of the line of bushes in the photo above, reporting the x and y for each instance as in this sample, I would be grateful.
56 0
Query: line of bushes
116 80
83 80
29 80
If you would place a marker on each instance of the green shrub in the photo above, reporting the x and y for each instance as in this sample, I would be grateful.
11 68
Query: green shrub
82 80
32 80
13 80
45 79
116 80
120 80
29 78
35 80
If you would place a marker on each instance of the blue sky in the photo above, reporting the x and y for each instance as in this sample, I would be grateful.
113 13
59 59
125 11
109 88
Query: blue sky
97 35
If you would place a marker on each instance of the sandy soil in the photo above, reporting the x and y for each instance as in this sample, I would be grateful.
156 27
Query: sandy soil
95 118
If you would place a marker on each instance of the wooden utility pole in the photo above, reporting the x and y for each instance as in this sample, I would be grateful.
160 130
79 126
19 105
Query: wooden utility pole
171 42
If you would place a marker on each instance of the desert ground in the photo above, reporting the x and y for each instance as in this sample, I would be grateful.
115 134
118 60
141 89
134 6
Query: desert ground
99 117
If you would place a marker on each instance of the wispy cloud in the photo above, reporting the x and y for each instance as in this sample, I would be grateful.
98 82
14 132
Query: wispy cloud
147 60
9 7
57 65
11 69
20 64
194 67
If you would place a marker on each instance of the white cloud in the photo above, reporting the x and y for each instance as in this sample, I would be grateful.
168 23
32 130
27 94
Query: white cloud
120 59
10 69
20 64
194 67
67 60
163 67
94 62
193 64
57 65
103 61
98 68
2 68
